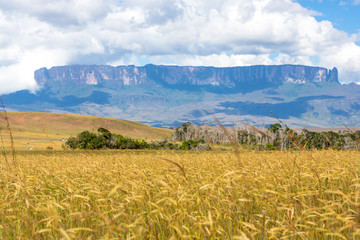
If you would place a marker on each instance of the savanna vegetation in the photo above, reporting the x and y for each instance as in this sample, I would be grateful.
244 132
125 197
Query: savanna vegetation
149 190
275 137
107 140
152 194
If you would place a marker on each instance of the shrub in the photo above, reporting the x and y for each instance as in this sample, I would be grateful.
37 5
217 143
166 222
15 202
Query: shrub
194 145
270 147
105 139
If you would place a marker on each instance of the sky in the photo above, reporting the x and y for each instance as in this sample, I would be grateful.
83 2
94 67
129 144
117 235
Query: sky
222 33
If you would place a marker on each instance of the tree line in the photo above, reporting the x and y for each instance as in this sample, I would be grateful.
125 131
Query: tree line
190 136
104 139
275 137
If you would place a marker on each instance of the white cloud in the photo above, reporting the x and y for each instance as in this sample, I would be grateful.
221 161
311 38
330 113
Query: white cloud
184 32
60 12
220 60
346 2
19 75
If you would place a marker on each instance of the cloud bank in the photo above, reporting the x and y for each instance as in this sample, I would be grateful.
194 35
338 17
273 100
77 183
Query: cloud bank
223 33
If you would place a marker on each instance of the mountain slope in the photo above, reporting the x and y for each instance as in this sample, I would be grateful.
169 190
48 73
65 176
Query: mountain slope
167 96
39 130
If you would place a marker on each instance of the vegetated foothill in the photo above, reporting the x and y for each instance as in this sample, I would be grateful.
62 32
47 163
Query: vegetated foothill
275 137
194 137
107 140
39 131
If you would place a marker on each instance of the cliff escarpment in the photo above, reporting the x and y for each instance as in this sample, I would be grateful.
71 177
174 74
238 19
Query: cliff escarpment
167 96
229 77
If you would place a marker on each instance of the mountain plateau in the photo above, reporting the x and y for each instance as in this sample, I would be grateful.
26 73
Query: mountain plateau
167 96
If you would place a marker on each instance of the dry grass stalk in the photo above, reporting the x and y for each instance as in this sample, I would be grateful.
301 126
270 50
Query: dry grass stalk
233 140
255 129
351 131
291 135
231 137
278 119
6 119
326 137
182 169
3 151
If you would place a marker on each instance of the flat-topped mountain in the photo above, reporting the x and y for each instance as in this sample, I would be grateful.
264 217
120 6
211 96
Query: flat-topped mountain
167 96
229 77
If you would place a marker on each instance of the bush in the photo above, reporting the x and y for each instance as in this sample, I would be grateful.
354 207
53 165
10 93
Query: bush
105 139
194 145
270 147
88 140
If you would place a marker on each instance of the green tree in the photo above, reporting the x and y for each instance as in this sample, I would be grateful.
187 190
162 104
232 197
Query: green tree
107 134
85 140
274 127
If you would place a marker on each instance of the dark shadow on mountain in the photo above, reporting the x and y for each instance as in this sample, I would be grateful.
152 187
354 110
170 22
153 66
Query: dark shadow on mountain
339 112
25 97
320 97
355 106
282 110
97 97
239 88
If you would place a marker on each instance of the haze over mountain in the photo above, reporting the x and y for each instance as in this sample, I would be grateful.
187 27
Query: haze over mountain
167 96
45 33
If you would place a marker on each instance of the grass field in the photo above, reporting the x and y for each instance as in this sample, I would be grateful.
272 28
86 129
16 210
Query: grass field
209 195
39 131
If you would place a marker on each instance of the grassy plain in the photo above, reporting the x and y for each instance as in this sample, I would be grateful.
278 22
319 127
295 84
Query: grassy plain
39 131
209 195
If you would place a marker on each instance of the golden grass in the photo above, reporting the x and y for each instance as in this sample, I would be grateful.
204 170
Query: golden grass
72 124
34 141
38 131
138 195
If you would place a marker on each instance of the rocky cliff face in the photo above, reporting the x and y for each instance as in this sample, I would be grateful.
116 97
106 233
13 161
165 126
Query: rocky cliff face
189 76
168 96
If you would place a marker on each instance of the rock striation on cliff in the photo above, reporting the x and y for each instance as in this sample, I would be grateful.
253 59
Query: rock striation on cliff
167 96
229 77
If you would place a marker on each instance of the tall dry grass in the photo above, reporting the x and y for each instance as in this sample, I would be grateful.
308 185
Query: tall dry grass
138 195
12 146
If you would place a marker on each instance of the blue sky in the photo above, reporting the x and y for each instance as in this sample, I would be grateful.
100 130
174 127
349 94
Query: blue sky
344 15
222 33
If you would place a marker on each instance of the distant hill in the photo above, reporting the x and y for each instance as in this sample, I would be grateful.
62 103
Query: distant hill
167 96
40 130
